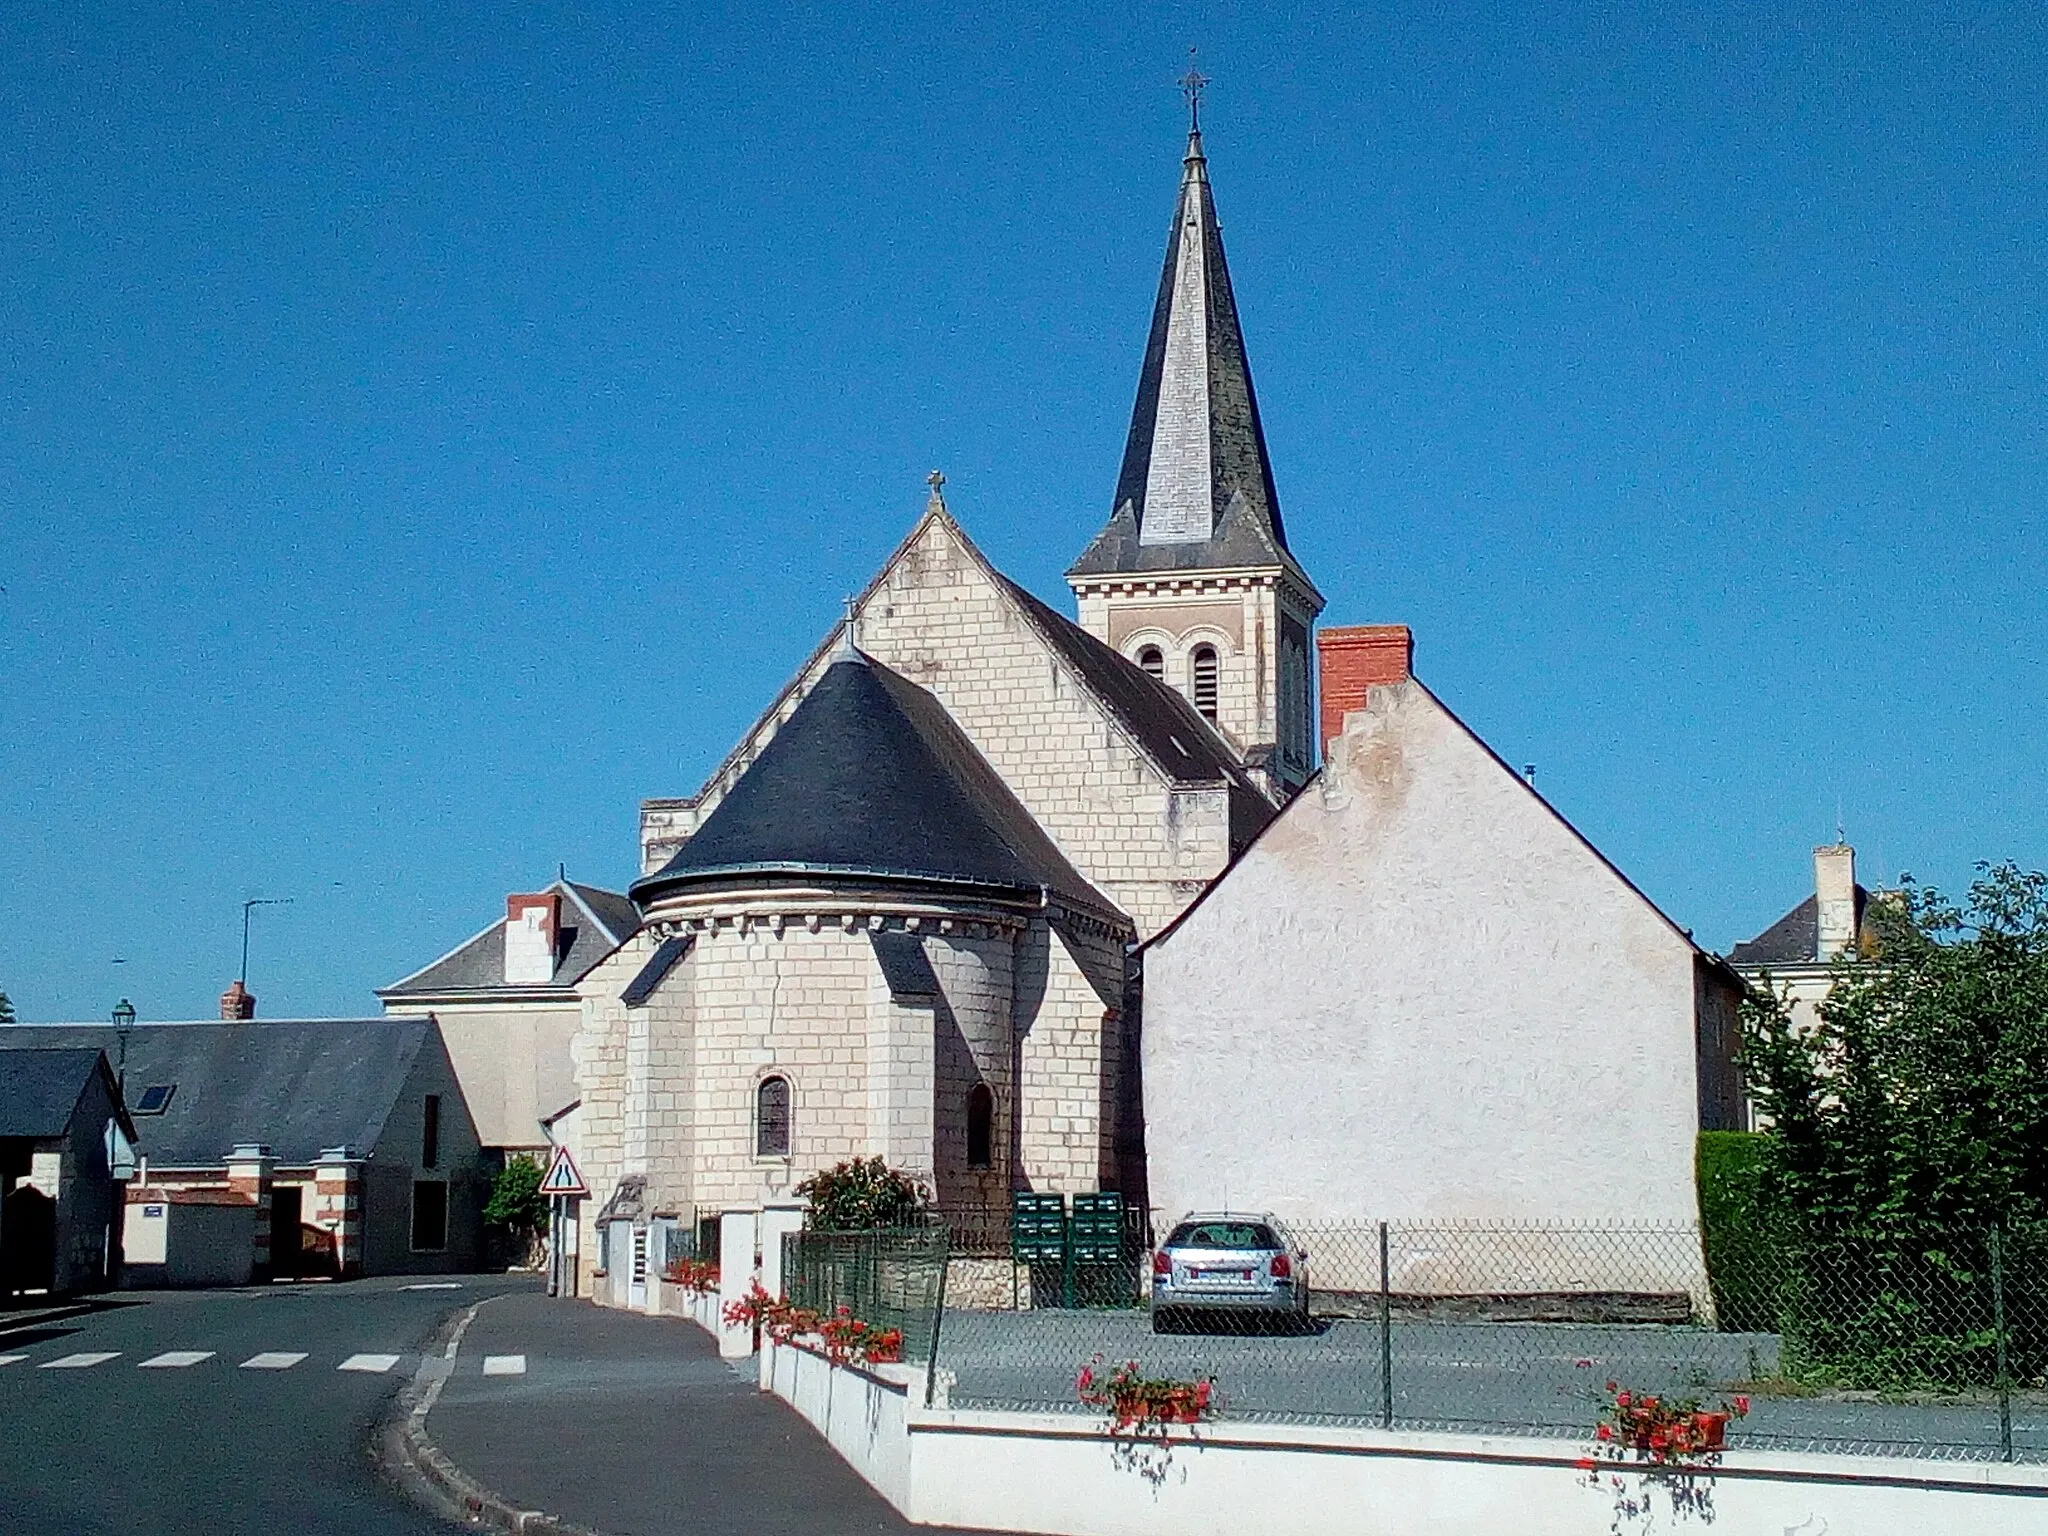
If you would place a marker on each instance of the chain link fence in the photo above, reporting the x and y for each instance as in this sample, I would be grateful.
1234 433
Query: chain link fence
1877 1342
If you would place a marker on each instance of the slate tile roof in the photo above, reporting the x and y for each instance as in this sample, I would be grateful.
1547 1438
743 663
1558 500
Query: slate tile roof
870 778
299 1085
1196 443
40 1088
594 923
1793 939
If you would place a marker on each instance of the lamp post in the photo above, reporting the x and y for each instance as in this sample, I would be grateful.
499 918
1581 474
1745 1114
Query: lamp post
124 1020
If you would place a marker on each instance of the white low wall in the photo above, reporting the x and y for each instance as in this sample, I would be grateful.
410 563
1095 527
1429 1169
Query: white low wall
1063 1476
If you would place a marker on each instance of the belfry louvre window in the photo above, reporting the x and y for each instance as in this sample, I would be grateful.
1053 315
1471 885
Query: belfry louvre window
771 1118
1205 681
1153 660
981 1126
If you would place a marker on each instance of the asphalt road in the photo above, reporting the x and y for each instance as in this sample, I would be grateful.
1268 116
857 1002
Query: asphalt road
211 1446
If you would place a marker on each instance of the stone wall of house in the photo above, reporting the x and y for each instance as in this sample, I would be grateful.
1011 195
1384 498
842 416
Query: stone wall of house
513 1061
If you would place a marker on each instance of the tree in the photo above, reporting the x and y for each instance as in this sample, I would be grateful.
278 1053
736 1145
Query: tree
863 1195
517 1205
1910 1124
6 1009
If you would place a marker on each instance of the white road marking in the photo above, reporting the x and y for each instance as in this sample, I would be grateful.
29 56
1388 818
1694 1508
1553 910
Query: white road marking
175 1359
12 1359
504 1365
435 1285
273 1360
375 1364
80 1362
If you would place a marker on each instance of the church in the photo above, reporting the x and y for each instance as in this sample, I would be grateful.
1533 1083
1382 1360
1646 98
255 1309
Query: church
915 912
901 918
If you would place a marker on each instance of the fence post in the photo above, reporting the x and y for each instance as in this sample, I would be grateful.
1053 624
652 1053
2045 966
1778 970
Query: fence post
931 1364
1998 1330
1386 1338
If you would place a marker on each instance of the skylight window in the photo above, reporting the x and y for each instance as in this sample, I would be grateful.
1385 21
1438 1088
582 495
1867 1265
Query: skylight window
156 1098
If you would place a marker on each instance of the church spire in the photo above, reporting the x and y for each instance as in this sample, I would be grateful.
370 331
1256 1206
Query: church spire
1196 488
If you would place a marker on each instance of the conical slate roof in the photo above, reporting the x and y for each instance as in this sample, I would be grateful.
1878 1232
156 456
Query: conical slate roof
869 780
1196 489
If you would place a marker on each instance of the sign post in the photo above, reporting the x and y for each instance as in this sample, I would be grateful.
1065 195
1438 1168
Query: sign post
561 1183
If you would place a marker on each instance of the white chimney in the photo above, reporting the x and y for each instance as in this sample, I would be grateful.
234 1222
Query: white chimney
1834 896
532 925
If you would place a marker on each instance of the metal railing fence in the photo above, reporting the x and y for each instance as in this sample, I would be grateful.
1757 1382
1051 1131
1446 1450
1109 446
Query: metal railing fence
892 1278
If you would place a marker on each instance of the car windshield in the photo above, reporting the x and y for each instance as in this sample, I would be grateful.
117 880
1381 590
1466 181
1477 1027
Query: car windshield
1222 1234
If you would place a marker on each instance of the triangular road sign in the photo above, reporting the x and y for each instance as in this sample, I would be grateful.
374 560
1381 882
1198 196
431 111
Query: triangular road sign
562 1177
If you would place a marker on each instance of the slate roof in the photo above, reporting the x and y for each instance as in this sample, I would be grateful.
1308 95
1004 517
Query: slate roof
1156 713
594 923
1218 483
300 1086
40 1089
871 779
1793 939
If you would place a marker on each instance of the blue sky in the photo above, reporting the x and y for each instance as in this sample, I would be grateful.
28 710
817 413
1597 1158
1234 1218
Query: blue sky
427 430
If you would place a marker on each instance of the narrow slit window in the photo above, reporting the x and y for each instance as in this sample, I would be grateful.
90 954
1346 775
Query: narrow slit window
771 1118
430 1132
1153 660
1205 681
981 1127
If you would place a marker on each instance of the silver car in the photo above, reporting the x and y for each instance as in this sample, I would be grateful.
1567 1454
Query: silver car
1222 1263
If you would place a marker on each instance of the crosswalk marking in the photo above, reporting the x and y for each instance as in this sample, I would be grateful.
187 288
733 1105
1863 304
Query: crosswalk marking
375 1364
504 1365
435 1285
273 1360
81 1362
12 1359
175 1359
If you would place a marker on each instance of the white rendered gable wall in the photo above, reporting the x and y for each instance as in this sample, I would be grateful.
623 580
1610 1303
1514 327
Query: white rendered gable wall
1421 996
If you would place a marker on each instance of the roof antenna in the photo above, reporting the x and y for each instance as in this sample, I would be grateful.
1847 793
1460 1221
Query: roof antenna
562 872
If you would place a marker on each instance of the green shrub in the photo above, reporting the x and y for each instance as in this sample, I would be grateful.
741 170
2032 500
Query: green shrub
1745 1256
517 1205
862 1196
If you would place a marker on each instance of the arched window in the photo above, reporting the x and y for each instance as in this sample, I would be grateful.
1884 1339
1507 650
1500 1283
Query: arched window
981 1127
771 1118
1153 660
1205 681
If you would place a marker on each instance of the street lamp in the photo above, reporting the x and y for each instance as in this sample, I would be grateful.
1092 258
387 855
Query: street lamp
124 1020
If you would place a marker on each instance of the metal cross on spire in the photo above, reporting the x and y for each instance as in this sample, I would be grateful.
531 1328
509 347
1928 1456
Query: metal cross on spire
1191 85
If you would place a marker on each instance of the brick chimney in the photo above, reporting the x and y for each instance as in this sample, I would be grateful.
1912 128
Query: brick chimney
1834 898
238 1003
1349 661
533 924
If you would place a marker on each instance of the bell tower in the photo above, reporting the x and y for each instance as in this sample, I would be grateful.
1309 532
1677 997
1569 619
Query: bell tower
1191 578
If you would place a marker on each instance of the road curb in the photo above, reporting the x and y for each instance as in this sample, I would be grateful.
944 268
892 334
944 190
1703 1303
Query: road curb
408 1455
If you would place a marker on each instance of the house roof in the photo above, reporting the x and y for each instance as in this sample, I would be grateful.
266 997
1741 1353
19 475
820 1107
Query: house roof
1793 939
1196 488
870 779
594 923
40 1089
300 1086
